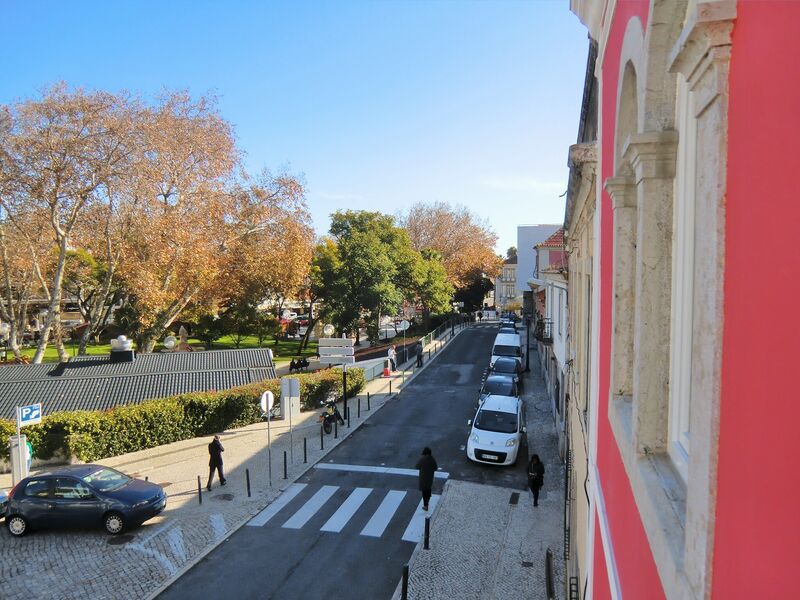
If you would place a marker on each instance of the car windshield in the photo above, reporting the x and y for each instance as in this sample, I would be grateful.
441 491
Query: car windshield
502 386
493 420
505 366
507 330
106 480
506 351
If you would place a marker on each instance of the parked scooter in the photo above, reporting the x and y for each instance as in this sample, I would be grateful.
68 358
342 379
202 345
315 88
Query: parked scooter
330 416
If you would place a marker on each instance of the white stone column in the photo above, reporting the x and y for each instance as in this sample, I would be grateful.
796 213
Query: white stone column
652 157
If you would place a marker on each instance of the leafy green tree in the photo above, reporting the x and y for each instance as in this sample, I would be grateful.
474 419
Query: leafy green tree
431 284
209 328
473 293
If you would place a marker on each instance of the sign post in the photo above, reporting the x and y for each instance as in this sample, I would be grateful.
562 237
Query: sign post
267 400
26 415
337 351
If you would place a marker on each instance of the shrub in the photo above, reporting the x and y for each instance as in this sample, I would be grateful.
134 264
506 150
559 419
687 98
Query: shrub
94 435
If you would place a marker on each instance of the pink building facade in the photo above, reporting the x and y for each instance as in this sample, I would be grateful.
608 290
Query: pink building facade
692 408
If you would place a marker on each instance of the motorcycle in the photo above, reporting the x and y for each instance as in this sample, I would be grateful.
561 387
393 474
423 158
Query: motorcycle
330 416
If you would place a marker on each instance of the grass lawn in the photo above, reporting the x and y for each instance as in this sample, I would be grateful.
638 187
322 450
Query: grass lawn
283 351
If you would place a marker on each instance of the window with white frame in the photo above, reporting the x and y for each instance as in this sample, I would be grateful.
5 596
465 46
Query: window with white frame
682 281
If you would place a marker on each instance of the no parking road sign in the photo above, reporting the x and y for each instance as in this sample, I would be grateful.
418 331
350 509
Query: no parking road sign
29 415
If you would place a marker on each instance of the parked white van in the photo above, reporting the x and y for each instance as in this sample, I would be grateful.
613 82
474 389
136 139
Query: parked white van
506 344
497 429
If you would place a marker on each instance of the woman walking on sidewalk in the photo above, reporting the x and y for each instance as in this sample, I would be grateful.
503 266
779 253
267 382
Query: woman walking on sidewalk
535 477
427 467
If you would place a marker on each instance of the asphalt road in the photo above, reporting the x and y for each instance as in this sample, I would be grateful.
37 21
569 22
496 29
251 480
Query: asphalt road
339 531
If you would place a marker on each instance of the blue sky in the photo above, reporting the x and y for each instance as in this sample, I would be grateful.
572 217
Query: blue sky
379 104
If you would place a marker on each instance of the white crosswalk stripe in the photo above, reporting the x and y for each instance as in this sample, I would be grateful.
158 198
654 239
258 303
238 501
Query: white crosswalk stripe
416 527
346 511
299 512
380 520
310 508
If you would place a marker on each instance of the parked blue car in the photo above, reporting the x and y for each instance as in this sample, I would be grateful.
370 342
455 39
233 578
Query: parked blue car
82 496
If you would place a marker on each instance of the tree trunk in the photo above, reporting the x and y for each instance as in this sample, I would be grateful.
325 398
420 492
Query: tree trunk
54 310
146 341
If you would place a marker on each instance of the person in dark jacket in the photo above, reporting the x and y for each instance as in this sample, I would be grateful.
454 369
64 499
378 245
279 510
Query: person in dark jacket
215 451
427 467
419 350
535 477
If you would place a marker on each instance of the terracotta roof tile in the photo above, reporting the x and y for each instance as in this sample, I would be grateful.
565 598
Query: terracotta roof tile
554 241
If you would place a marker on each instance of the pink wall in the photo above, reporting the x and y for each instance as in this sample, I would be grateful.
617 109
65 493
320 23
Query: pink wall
635 565
757 543
601 589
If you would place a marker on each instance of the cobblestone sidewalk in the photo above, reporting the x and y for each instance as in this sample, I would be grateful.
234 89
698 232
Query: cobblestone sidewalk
485 544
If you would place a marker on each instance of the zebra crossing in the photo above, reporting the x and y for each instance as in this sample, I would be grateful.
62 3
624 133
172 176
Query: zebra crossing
302 505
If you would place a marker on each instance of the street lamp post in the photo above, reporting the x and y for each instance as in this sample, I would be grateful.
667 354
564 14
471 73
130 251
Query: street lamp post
527 344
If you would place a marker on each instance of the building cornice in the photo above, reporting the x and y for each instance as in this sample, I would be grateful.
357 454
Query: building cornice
652 154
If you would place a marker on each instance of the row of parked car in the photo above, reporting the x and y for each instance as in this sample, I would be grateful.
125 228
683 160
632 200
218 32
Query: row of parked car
497 429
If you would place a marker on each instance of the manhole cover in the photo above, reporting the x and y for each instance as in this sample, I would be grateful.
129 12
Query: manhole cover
514 500
119 540
227 497
527 564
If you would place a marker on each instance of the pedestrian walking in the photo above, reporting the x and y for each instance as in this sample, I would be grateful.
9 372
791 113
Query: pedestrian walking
392 354
480 316
535 477
30 454
427 467
215 451
419 349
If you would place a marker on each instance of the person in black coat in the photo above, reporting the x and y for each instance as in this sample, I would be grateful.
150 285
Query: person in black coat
215 451
419 350
535 477
427 467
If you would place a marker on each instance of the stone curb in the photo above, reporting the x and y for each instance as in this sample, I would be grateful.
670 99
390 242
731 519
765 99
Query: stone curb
215 544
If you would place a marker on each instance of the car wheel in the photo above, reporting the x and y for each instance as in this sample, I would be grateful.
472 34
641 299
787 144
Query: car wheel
17 525
114 523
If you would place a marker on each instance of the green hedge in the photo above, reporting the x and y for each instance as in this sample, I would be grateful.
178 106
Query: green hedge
91 436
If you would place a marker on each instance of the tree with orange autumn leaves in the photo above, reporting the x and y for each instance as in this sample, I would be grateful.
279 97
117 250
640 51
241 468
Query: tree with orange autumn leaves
464 242
153 196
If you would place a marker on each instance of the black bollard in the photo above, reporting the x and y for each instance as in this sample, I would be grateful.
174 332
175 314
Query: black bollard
358 408
199 490
390 387
404 593
305 451
247 478
427 545
321 438
348 418
285 471
367 400
336 429
146 478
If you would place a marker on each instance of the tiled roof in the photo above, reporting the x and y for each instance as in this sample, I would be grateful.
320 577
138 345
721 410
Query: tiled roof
554 241
95 383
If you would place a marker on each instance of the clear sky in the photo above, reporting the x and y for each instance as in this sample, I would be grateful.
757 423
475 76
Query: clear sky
379 104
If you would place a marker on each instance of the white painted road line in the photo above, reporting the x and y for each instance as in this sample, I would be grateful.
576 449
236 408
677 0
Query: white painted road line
416 527
380 520
281 501
371 469
310 508
346 511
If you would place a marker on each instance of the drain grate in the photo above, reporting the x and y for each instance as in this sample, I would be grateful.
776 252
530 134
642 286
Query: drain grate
119 540
514 500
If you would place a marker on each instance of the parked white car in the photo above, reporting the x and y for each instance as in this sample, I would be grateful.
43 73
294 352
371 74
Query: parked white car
497 430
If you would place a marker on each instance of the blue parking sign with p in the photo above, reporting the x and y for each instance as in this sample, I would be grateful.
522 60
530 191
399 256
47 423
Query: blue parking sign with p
30 415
